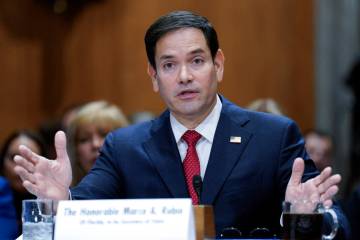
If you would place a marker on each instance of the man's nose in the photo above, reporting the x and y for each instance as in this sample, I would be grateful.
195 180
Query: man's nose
185 76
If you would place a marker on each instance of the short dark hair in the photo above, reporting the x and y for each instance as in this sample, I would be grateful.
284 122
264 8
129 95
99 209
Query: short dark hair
176 20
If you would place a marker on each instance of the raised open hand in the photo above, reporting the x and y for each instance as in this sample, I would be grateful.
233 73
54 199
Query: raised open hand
43 177
321 188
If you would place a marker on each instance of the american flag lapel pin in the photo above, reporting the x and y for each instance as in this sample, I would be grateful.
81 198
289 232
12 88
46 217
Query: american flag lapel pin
235 139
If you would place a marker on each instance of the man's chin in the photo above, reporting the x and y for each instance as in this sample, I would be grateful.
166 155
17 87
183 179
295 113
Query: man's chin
190 109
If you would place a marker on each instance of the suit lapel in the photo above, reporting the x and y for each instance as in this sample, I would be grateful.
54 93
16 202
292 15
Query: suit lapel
224 154
164 155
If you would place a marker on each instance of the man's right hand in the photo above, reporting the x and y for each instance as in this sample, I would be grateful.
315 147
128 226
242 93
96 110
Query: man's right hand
43 177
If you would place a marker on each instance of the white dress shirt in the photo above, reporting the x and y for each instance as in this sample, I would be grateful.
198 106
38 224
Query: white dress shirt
207 130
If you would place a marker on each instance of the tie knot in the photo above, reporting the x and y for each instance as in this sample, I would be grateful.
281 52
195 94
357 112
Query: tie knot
191 137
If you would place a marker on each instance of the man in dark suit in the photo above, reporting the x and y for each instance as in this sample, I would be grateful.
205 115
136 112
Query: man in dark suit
248 162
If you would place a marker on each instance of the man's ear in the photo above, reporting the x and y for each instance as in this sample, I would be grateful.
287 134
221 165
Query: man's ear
219 64
153 75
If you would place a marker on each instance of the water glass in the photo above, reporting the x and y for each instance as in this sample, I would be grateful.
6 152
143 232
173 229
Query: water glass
38 219
304 220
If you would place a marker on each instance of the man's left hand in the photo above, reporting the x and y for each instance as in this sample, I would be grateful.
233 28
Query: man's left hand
321 188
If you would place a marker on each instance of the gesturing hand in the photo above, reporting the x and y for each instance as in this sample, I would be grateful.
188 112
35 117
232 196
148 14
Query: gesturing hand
321 188
43 177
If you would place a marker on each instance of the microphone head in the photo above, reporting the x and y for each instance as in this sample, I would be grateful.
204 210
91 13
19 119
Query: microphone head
197 184
197 181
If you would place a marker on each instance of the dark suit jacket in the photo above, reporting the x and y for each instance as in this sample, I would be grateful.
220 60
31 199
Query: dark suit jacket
351 208
244 182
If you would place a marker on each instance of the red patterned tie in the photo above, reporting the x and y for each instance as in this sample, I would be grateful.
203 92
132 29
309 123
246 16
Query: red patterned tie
191 162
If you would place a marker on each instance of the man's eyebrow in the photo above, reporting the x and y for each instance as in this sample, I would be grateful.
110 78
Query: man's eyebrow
193 52
166 56
197 51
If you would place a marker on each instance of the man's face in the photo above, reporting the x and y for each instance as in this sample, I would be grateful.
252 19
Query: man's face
186 76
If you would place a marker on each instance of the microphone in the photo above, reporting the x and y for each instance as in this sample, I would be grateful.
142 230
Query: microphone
197 184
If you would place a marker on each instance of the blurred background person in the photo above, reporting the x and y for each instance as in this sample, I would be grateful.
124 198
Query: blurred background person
9 227
11 148
141 116
86 134
319 146
49 127
266 105
47 130
68 115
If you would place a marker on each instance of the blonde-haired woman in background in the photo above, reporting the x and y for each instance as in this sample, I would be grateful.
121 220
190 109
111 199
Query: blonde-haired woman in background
86 134
266 105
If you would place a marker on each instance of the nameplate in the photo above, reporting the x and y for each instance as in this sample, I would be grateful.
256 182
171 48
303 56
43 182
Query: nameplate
125 219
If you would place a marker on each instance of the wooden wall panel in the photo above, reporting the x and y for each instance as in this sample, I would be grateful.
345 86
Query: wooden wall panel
51 61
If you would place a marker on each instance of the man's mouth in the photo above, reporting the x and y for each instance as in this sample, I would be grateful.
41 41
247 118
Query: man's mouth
188 94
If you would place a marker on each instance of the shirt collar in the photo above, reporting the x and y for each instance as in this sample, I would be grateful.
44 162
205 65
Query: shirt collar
206 128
